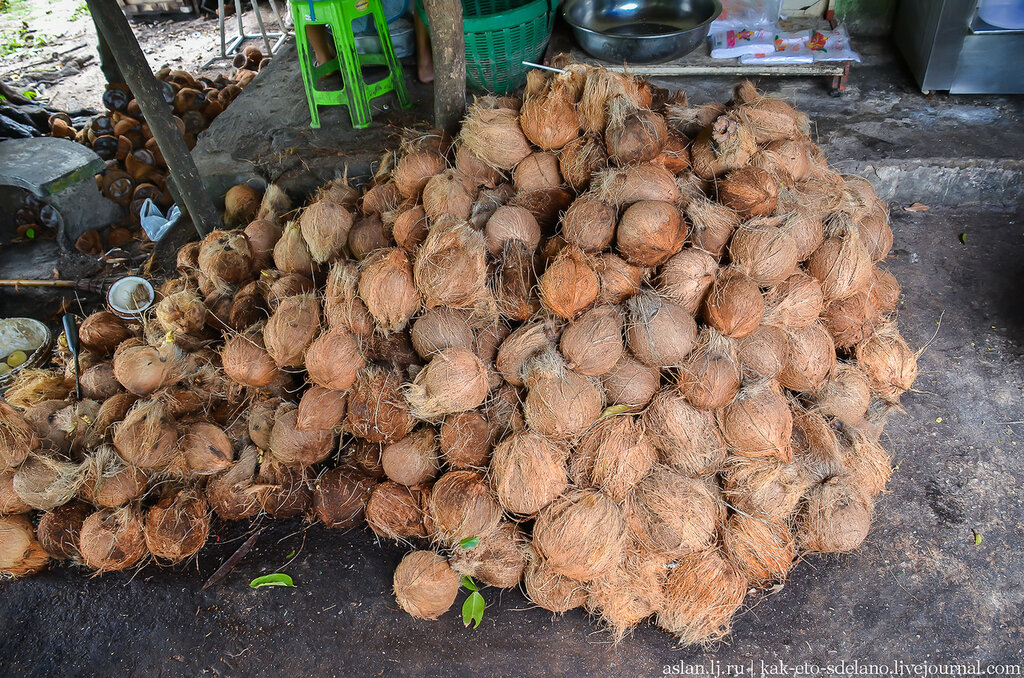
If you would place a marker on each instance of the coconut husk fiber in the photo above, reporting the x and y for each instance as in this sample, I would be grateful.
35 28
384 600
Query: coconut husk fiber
581 535
701 594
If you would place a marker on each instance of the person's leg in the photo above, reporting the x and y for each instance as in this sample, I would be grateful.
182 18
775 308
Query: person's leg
321 42
424 57
111 71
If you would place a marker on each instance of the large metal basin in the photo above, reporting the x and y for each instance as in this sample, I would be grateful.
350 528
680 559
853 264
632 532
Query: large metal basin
640 31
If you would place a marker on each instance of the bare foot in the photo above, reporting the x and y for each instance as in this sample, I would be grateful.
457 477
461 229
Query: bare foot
424 57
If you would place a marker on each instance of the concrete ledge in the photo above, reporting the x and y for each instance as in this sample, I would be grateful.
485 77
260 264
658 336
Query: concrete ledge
993 184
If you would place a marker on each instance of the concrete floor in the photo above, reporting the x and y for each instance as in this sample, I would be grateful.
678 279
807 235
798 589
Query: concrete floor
920 589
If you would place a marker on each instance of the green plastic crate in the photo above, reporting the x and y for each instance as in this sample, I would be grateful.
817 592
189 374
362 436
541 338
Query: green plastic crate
500 35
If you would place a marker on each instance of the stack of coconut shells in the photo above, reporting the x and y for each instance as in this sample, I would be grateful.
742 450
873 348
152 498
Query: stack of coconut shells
633 354
136 169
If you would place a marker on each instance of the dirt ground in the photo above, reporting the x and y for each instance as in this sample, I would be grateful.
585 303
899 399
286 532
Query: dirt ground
49 48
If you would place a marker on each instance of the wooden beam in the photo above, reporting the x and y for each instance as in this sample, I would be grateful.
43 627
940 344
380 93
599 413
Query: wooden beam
190 193
448 45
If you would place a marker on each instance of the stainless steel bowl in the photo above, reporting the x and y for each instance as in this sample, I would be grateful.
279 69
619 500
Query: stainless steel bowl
640 31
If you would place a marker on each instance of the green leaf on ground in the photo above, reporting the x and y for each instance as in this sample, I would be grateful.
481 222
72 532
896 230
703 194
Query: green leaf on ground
977 539
276 579
473 609
963 238
468 583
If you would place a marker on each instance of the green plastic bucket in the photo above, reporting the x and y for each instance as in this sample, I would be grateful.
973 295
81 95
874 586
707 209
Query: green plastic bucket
500 35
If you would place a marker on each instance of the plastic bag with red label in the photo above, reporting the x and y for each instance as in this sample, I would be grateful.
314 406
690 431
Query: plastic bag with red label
832 46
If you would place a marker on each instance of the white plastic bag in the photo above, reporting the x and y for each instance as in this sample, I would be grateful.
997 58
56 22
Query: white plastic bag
740 14
788 48
153 221
832 46
729 44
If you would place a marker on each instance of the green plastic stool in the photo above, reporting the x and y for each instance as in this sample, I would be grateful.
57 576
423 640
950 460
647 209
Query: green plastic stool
356 92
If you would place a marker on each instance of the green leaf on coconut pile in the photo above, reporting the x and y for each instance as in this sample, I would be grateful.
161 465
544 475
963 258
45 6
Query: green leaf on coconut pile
468 583
473 609
276 579
614 409
469 542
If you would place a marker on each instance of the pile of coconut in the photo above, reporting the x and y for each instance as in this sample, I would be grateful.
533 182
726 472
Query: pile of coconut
632 354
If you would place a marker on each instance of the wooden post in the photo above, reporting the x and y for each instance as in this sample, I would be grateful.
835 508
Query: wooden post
191 194
448 45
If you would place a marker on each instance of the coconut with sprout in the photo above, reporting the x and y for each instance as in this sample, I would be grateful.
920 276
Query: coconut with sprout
466 440
890 365
102 332
701 594
795 302
593 343
462 506
633 135
177 526
626 185
660 333
650 232
291 329
758 423
734 305
711 225
560 402
812 355
685 437
204 449
710 375
686 278
377 411
340 497
836 517
112 539
386 287
630 383
58 530
764 251
413 460
619 280
230 493
395 511
550 590
324 227
333 359
528 472
294 447
247 362
581 535
846 395
20 553
451 266
580 159
613 456
425 585
320 409
589 223
147 437
449 193
763 353
499 559
511 223
673 514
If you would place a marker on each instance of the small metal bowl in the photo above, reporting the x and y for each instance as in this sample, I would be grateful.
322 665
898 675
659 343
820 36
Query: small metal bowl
28 335
640 31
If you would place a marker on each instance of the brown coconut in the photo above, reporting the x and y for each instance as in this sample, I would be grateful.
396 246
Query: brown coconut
842 265
177 526
334 359
225 257
875 232
633 135
589 223
868 464
787 160
498 560
291 329
685 437
550 120
367 236
377 411
414 170
613 456
592 344
630 383
660 333
340 497
770 119
758 423
247 362
710 375
466 440
98 382
475 168
58 530
205 449
10 502
701 594
143 369
247 308
182 311
511 223
630 592
395 511
263 236
626 185
686 278
20 553
462 506
342 305
724 145
410 228
836 517
550 590
883 290
448 193
734 305
650 232
761 550
764 251
850 320
795 302
570 284
113 539
386 287
324 226
673 514
711 225
675 154
102 332
619 280
514 281
320 409
581 535
560 402
763 353
413 460
294 447
750 191
807 231
528 472
230 493
537 172
283 491
494 136
240 204
425 585
888 362
380 198
451 266
147 437
455 380
812 356
580 159
846 395
109 481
